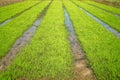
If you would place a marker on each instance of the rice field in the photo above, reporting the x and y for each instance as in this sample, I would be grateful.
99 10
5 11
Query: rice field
59 40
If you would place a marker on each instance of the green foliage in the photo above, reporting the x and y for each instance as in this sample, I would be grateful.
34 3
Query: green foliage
14 29
109 8
48 55
11 10
101 46
108 18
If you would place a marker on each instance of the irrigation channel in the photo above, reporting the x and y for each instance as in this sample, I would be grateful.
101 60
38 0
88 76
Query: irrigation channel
10 19
117 15
22 41
81 69
115 32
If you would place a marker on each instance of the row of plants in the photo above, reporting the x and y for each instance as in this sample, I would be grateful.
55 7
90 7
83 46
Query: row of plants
11 10
100 46
10 32
106 17
48 55
105 7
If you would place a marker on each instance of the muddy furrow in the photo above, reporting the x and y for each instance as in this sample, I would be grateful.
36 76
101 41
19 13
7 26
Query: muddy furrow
117 15
10 19
22 41
81 69
105 25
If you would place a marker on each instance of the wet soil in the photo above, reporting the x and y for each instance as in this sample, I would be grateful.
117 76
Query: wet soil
8 2
5 22
81 69
21 42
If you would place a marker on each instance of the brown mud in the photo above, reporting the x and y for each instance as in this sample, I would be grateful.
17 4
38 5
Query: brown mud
81 69
21 42
8 2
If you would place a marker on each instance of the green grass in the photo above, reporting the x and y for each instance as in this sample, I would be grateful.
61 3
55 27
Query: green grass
103 6
108 18
11 10
100 46
48 55
14 29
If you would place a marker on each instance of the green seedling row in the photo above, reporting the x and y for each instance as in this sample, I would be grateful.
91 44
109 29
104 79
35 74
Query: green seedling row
105 7
11 10
14 29
48 55
100 46
106 17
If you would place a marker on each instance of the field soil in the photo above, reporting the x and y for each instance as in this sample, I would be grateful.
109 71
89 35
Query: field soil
7 2
81 69
115 4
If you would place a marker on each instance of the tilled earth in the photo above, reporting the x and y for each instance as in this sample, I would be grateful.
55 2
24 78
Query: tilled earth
7 2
